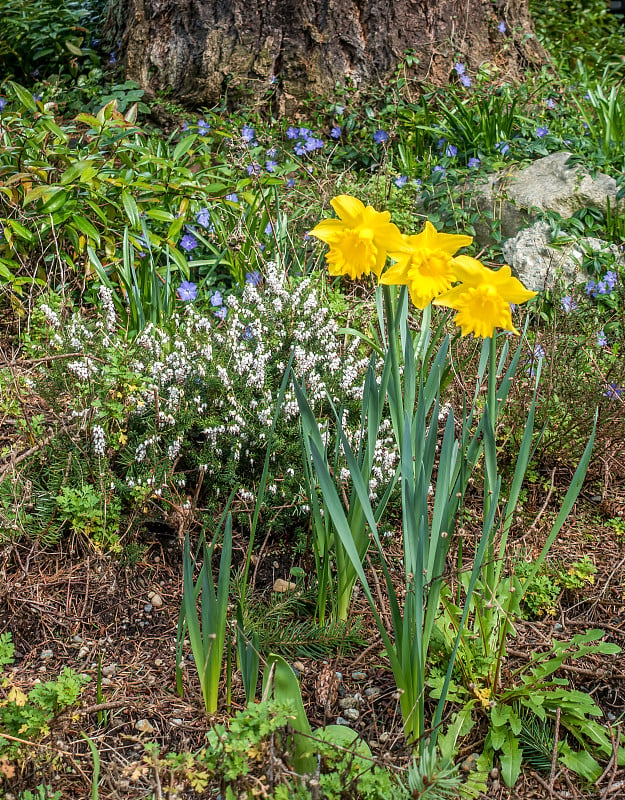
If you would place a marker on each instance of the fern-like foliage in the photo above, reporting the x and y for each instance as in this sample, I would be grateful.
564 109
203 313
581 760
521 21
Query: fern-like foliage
287 628
536 740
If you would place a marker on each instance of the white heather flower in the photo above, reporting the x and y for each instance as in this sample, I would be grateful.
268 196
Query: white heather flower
98 439
51 316
106 298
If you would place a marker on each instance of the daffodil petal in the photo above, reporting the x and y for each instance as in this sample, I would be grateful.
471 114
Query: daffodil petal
350 209
327 230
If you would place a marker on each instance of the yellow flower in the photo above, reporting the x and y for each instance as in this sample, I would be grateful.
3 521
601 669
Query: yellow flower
483 297
359 240
425 264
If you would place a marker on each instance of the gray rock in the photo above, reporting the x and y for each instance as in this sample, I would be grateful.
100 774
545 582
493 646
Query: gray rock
515 198
348 702
540 266
351 714
359 676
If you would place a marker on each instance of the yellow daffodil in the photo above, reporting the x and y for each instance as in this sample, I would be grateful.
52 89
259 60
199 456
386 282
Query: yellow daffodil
425 264
483 297
359 240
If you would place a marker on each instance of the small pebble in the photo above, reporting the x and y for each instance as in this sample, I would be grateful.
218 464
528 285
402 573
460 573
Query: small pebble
147 607
144 726
341 721
106 681
155 599
83 652
109 670
46 655
372 691
158 662
351 714
282 586
558 627
359 676
348 702
384 737
77 638
299 666
176 721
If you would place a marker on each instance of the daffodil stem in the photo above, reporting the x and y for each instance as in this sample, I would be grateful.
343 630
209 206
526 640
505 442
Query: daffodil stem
490 479
392 315
492 381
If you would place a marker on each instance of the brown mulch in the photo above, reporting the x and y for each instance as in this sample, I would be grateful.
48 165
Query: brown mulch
89 610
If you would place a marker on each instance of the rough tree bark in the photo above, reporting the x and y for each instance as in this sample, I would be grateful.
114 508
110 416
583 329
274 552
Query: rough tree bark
201 49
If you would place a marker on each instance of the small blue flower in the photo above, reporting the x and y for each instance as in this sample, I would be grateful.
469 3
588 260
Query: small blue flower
188 242
339 110
221 313
591 289
248 334
380 136
474 163
602 339
502 28
551 103
460 68
290 183
3 103
291 132
568 304
440 144
270 166
538 353
438 168
217 299
451 151
203 127
541 131
299 149
610 279
613 391
465 80
203 219
336 132
247 134
112 59
268 229
401 181
253 278
313 143
187 291
304 133
232 198
602 288
503 147
253 169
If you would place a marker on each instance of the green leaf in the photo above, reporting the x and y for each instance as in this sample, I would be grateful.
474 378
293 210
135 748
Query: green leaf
281 684
581 762
183 146
82 171
24 96
131 209
20 231
511 759
84 226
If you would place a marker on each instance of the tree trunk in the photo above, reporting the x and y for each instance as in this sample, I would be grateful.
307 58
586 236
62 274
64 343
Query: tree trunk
205 50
